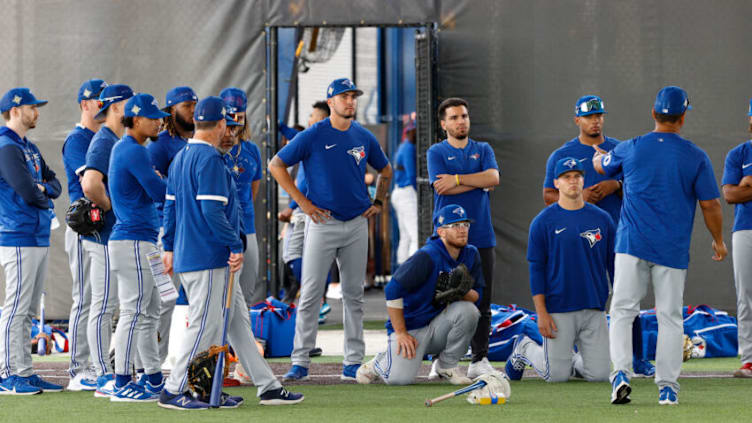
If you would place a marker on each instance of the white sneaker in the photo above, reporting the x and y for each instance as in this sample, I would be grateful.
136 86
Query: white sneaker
479 368
240 374
366 373
452 375
80 382
433 375
334 292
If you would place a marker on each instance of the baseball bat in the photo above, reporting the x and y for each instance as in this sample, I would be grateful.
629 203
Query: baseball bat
477 385
219 373
42 341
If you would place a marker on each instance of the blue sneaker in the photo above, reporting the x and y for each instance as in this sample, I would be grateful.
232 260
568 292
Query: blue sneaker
515 365
349 372
667 396
225 400
17 385
280 397
325 309
152 389
142 378
133 393
105 386
182 401
643 368
296 373
80 382
35 380
620 389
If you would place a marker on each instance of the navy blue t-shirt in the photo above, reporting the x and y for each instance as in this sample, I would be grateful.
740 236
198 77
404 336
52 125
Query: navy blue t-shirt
664 177
475 157
98 158
584 154
571 257
74 158
738 165
134 189
335 165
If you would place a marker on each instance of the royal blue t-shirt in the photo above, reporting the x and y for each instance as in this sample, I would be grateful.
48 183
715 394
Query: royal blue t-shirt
415 281
244 162
74 158
738 165
404 165
335 165
475 157
134 190
161 153
202 211
664 177
584 154
571 257
98 158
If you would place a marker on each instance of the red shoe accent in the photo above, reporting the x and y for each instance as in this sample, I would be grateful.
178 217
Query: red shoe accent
231 382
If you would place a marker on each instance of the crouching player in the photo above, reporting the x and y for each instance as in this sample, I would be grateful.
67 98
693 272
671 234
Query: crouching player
571 256
419 324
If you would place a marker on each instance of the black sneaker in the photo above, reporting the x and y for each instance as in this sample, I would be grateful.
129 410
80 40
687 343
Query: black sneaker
280 396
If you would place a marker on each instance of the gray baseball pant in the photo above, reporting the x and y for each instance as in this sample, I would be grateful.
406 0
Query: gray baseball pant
251 285
556 360
104 300
293 245
405 203
348 243
206 291
631 279
25 271
741 252
447 335
139 306
79 315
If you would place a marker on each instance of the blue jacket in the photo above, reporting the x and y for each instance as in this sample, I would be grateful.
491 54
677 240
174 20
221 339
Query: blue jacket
25 211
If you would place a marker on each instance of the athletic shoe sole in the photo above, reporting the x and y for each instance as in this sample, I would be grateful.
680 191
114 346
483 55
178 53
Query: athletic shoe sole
621 396
175 407
98 394
348 378
294 379
80 388
120 399
280 402
13 392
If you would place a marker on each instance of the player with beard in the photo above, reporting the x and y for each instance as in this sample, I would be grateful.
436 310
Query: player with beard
462 172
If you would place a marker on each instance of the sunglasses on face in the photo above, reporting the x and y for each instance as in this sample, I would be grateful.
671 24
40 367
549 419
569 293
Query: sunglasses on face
458 225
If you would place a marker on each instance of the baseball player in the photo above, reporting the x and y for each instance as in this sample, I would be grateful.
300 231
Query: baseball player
405 196
570 251
27 186
653 237
74 158
417 325
737 190
207 246
462 172
334 152
178 128
94 248
604 192
134 189
243 158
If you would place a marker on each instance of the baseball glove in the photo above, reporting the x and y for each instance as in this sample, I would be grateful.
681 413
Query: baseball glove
687 348
85 217
452 286
201 370
496 391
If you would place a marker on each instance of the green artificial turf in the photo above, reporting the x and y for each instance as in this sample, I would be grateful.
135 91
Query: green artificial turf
701 399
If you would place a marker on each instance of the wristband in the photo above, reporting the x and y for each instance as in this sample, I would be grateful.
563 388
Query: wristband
377 202
457 178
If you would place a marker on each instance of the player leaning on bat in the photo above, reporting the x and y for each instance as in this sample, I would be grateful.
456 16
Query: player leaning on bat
571 257
27 187
203 245
653 237
431 301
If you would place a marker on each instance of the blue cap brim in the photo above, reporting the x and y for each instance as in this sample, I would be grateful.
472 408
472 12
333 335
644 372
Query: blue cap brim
593 112
39 103
158 114
231 122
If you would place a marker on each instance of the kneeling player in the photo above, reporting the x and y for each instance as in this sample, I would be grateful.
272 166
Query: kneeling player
421 319
571 256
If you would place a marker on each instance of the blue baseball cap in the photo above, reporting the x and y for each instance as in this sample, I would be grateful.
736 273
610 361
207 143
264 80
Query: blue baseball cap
341 85
671 100
91 89
18 97
449 214
235 99
568 164
589 105
179 95
212 109
112 94
144 105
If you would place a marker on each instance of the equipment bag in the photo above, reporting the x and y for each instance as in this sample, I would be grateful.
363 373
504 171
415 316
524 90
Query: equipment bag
508 323
274 322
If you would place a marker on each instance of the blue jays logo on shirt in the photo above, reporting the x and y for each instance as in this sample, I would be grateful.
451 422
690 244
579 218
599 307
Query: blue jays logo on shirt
358 153
593 236
607 159
475 156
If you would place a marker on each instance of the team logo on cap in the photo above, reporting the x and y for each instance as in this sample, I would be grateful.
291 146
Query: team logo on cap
155 103
135 109
570 163
347 82
593 236
17 99
359 153
459 211
440 220
330 91
87 92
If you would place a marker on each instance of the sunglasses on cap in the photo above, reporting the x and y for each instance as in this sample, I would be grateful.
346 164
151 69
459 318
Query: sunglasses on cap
591 105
